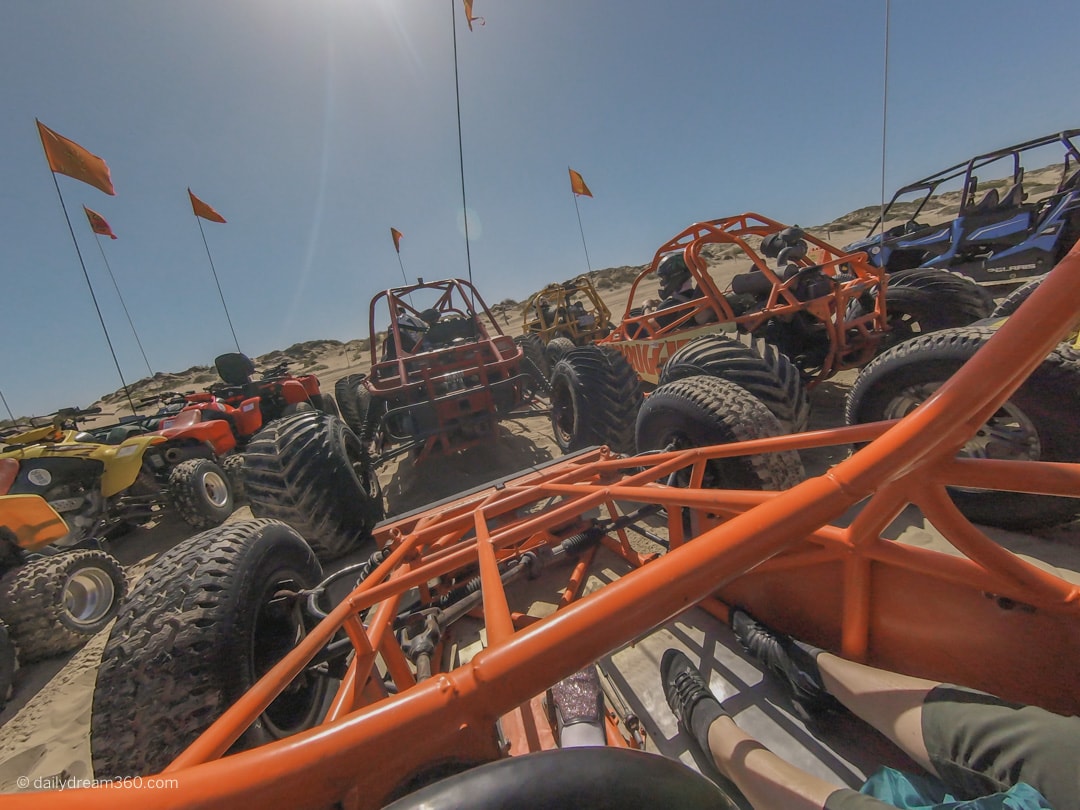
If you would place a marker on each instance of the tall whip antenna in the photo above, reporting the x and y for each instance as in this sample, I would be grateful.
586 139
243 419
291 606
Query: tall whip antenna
461 153
884 119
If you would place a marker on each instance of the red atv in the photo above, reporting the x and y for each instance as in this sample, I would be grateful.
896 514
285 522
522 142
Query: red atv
229 413
443 380
225 417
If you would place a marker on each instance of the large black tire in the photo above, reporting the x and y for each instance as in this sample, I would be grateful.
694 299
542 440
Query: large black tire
533 348
1036 423
201 493
325 403
556 349
534 362
925 300
197 632
311 471
54 604
233 465
9 664
756 365
705 410
595 397
353 400
1010 303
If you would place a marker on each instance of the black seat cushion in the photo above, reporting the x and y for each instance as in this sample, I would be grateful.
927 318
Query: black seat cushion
234 368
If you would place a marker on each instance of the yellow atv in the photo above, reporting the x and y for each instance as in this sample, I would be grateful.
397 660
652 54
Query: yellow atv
52 600
102 483
560 317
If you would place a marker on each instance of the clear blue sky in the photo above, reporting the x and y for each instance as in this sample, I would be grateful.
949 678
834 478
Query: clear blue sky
313 126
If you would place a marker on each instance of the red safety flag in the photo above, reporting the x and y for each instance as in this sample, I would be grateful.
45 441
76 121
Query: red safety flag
395 234
67 157
577 185
98 223
203 210
469 18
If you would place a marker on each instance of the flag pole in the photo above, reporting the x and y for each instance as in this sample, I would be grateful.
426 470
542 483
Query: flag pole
577 208
884 116
93 297
403 276
7 407
461 152
218 283
124 305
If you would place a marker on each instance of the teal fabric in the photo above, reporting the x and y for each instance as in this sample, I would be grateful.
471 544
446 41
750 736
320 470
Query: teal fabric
925 793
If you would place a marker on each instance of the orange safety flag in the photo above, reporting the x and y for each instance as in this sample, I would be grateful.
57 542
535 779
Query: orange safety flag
469 18
396 235
98 223
577 185
67 157
203 210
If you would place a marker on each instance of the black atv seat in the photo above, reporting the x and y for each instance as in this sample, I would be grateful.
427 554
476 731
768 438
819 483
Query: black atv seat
234 368
118 434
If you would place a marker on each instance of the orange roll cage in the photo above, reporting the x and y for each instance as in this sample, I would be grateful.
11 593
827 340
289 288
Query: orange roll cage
986 619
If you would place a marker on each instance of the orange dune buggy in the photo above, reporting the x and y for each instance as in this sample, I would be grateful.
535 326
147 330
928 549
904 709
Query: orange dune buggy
801 312
233 676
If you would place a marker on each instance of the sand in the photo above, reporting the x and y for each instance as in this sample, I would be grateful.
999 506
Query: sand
45 727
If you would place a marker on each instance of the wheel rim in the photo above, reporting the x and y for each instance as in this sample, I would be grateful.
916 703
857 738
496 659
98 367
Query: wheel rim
278 629
562 413
1008 435
88 596
216 489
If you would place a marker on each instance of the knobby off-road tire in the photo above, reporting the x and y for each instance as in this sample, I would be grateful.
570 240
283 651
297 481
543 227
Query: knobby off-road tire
925 300
311 471
556 349
196 633
534 362
1010 303
756 365
705 410
54 604
353 401
595 396
201 493
9 664
1038 421
533 348
325 403
233 465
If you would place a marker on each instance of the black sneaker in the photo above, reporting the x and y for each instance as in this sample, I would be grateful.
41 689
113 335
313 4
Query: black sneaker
792 661
689 697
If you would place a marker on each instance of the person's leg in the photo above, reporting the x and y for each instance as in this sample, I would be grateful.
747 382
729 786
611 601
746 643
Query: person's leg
765 779
974 742
890 702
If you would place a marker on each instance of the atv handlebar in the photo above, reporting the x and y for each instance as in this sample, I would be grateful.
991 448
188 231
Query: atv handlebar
279 370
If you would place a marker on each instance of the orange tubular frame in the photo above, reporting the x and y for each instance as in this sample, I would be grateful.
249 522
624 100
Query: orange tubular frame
987 619
844 353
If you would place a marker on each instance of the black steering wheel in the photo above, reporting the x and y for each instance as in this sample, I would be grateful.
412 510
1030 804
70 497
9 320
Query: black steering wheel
598 778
